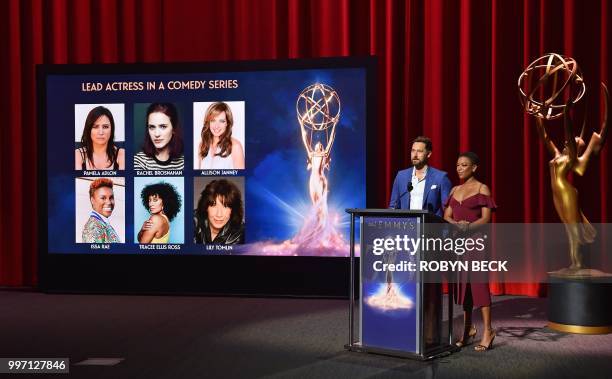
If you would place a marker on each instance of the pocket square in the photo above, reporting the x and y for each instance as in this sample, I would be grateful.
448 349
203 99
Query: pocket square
434 186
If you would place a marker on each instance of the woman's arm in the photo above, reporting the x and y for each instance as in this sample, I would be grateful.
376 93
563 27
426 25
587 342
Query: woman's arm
121 159
448 211
485 215
237 154
90 233
448 215
484 218
149 229
78 160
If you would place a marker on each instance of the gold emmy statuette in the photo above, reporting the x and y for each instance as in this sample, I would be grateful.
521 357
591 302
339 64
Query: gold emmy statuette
549 87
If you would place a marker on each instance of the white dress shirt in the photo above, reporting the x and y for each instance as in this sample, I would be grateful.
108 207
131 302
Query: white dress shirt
418 189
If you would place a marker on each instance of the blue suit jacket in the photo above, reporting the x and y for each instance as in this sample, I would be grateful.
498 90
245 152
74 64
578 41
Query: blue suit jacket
437 188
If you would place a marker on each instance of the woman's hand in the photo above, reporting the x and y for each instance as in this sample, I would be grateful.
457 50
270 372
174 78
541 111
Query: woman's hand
147 225
463 225
147 231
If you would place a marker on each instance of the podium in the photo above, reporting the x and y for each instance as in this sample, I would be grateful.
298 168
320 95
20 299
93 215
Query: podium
394 310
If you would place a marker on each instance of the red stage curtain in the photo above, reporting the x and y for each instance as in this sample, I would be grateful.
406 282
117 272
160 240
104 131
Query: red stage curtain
446 69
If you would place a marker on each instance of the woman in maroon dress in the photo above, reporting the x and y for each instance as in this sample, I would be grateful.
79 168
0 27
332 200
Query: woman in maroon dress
469 206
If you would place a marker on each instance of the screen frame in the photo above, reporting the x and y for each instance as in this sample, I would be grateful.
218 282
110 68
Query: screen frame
301 276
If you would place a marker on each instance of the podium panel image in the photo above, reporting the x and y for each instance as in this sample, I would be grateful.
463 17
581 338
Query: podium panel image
393 308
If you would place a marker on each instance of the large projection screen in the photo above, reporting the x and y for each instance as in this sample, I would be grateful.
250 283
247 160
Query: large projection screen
225 178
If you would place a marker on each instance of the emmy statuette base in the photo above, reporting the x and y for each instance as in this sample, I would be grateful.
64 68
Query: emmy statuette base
580 305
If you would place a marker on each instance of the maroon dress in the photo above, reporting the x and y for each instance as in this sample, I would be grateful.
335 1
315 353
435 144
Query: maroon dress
470 209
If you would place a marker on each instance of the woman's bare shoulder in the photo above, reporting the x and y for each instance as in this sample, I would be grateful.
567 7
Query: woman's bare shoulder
484 189
157 220
236 143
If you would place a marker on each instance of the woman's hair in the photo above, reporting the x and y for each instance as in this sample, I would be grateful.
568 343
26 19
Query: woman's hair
99 183
229 195
169 195
87 143
472 156
225 142
175 145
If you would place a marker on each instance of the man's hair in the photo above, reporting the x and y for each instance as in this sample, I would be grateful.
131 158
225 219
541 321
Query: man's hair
472 156
99 183
424 140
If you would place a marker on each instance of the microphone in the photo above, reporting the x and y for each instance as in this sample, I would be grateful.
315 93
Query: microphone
409 189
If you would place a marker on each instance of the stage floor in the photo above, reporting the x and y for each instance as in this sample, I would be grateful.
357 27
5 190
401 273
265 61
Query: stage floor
232 337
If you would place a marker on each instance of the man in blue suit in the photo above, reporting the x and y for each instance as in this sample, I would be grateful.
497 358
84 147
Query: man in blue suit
420 186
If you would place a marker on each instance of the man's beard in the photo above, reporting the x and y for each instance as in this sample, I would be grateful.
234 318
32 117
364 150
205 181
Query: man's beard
419 164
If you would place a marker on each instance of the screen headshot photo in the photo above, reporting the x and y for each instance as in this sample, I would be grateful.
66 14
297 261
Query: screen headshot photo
158 210
99 133
100 210
158 137
218 135
218 217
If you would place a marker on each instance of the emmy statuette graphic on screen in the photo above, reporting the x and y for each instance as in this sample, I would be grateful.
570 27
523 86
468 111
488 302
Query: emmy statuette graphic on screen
318 113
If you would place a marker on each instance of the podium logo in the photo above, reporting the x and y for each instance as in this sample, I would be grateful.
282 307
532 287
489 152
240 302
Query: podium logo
400 225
